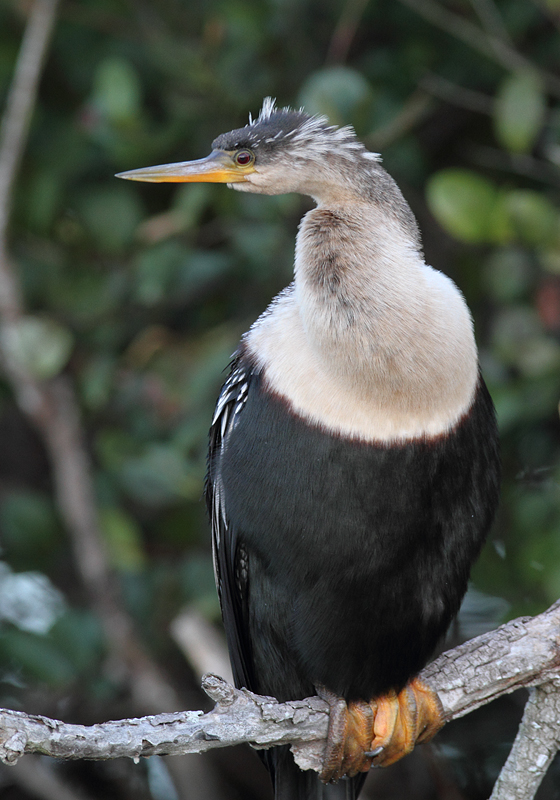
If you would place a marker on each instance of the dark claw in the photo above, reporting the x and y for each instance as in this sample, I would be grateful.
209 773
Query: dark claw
374 753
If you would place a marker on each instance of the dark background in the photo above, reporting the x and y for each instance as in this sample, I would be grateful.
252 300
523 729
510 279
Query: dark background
139 294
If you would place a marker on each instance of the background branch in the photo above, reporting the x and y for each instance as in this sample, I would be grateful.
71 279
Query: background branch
345 30
492 46
38 777
51 405
491 19
19 106
536 744
457 95
53 409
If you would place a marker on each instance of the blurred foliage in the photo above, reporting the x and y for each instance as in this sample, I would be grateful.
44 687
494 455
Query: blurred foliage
141 292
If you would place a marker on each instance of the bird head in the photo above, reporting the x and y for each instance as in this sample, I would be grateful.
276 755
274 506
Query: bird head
281 151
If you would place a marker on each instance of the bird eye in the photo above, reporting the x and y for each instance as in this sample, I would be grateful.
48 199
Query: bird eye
243 157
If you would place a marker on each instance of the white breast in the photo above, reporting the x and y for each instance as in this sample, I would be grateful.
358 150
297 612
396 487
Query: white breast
405 366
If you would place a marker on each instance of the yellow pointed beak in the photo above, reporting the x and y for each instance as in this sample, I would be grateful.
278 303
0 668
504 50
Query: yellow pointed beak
218 167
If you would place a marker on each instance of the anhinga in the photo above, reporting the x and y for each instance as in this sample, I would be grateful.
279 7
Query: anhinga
353 470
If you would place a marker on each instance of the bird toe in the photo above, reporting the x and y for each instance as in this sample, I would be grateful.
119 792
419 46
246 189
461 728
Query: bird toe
403 720
378 733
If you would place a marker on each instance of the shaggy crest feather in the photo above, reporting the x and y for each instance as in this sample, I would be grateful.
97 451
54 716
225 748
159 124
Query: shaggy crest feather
268 107
309 137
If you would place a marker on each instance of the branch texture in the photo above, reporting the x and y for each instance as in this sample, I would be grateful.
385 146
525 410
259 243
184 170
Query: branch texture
524 652
535 746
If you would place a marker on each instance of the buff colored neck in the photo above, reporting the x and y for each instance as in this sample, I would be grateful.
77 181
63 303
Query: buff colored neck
371 342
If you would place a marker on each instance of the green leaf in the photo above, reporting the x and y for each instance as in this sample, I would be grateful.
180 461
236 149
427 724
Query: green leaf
155 270
190 201
534 219
97 381
501 229
160 476
38 657
340 93
78 636
463 203
124 540
111 215
117 91
30 529
39 345
519 111
507 274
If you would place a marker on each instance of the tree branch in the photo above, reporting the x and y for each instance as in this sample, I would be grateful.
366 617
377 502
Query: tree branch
53 408
518 163
412 112
345 31
522 653
13 136
536 744
51 405
21 100
493 47
490 17
457 95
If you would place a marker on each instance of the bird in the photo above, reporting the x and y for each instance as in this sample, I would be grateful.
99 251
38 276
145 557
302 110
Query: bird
353 469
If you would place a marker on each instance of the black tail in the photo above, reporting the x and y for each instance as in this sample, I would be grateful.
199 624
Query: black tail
290 783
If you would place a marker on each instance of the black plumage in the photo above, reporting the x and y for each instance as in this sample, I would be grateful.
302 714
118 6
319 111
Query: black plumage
353 469
341 563
346 560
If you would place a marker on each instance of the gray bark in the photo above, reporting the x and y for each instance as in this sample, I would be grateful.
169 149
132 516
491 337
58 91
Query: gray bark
522 653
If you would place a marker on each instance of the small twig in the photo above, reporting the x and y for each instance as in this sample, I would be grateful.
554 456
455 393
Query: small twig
490 46
345 31
536 744
21 100
457 95
413 111
491 19
201 643
517 163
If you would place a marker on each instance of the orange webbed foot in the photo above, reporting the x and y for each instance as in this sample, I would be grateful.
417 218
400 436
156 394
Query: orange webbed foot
378 733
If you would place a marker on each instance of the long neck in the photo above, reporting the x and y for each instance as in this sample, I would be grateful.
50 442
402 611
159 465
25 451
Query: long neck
375 315
369 342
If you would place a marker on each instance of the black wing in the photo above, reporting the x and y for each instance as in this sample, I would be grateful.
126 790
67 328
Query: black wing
231 570
230 558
